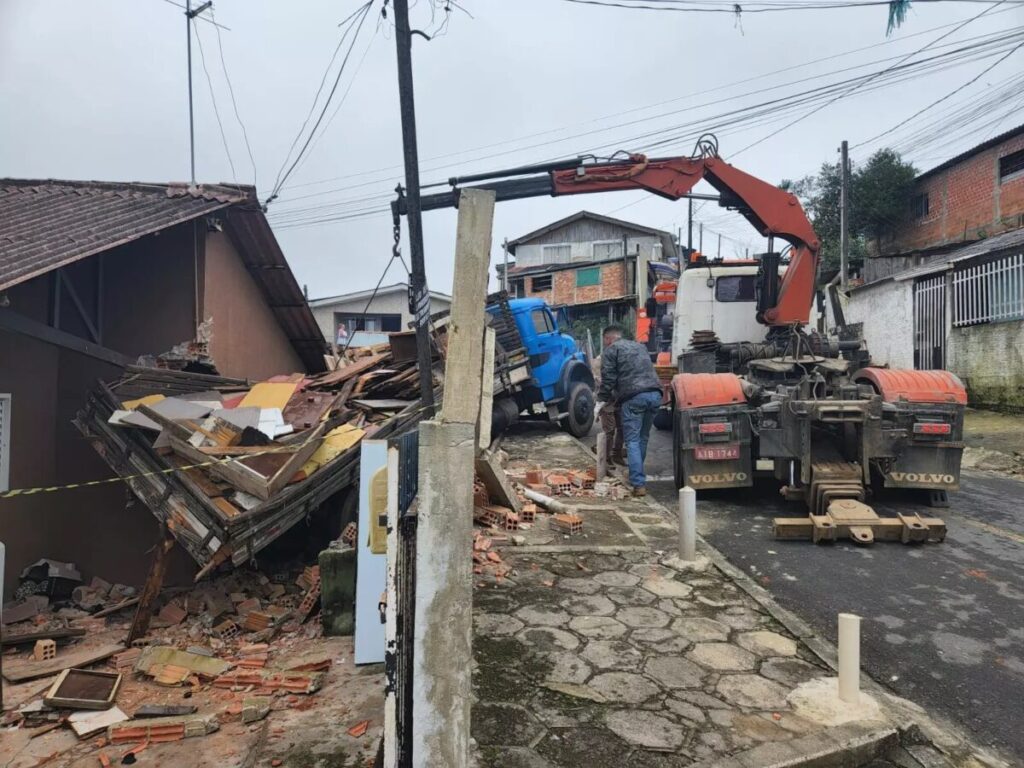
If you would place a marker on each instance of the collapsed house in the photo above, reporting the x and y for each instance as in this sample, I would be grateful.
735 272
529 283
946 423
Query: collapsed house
228 466
93 276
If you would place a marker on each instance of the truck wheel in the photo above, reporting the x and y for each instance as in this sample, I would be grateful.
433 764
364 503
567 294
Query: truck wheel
579 419
663 419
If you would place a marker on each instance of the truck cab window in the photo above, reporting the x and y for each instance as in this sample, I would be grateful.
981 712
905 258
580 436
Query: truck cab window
736 288
542 321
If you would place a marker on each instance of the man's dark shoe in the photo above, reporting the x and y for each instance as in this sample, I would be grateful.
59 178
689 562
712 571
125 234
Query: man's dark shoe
639 490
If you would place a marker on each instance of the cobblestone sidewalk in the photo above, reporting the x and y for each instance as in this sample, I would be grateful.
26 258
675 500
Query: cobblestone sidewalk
591 657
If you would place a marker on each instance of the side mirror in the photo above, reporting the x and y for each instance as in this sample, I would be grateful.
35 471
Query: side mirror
562 318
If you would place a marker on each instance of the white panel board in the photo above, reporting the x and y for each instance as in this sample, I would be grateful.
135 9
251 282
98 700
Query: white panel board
371 569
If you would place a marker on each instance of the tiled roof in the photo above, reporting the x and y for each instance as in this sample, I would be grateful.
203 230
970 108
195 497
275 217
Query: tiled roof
47 224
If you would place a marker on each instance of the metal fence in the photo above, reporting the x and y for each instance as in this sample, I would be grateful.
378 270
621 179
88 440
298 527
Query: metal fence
930 323
408 446
989 292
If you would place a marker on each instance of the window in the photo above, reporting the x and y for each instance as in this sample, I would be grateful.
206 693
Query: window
589 276
556 254
608 250
375 323
5 442
919 206
1011 166
518 288
736 288
541 284
542 321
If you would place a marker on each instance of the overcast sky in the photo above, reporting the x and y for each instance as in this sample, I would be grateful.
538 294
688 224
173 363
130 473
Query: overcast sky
93 90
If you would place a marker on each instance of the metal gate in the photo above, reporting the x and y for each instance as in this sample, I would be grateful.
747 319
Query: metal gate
930 323
399 656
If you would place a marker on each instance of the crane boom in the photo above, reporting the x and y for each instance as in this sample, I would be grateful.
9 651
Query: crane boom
773 212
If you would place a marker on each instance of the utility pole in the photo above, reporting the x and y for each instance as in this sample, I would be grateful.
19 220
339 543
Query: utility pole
719 246
844 216
700 242
189 15
419 296
689 227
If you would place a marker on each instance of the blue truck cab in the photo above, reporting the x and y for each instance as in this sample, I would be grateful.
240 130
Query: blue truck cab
537 367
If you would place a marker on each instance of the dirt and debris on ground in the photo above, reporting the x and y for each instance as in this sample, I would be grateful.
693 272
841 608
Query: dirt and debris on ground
602 649
200 689
993 441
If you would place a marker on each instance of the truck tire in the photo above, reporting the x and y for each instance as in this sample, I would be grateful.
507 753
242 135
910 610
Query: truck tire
579 411
663 419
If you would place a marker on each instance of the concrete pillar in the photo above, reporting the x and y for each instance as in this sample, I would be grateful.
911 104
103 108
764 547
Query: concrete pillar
443 643
338 591
442 684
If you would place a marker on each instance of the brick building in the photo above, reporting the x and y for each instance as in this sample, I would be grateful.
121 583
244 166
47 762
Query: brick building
587 264
977 194
948 289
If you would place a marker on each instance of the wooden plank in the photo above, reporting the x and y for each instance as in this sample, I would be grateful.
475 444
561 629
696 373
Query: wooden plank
237 475
20 670
466 330
350 371
298 458
27 638
269 394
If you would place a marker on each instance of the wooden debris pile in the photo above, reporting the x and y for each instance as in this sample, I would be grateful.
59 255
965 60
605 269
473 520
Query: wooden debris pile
230 465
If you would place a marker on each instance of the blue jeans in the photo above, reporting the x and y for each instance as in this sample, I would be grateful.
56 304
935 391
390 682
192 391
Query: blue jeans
637 417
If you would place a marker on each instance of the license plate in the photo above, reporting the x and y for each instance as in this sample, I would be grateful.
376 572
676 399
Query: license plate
716 452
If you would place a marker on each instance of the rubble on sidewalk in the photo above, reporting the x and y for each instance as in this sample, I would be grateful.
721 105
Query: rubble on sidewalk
184 680
230 465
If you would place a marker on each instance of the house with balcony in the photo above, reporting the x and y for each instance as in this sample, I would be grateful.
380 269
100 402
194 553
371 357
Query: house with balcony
593 267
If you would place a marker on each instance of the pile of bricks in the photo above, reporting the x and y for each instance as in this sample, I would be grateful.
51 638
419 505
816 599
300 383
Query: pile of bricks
495 516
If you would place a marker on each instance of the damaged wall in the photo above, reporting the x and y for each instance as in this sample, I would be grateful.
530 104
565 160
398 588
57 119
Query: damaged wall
148 296
247 340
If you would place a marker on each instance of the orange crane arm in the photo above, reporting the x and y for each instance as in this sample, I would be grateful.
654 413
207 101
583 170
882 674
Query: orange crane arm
772 211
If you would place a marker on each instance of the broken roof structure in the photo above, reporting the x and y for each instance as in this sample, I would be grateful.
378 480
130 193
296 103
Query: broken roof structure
49 224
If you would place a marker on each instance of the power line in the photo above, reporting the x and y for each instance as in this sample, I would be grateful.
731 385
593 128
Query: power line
759 6
234 103
921 111
853 89
631 140
365 9
213 100
770 111
744 81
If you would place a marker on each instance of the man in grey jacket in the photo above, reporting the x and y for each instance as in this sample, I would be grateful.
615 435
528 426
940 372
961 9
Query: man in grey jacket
628 379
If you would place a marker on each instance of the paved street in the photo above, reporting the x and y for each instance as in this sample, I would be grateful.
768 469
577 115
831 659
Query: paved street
944 624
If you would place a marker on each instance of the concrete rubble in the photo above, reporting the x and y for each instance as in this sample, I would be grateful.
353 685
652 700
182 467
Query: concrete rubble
242 697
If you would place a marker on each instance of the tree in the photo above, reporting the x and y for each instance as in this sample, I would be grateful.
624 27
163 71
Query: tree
881 192
879 200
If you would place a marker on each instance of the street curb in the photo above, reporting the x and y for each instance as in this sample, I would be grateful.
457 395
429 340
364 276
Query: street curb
839 747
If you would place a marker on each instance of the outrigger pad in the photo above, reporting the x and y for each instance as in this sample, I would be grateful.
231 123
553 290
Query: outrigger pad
852 519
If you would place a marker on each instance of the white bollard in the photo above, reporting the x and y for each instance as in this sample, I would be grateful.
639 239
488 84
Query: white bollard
602 455
687 524
849 658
